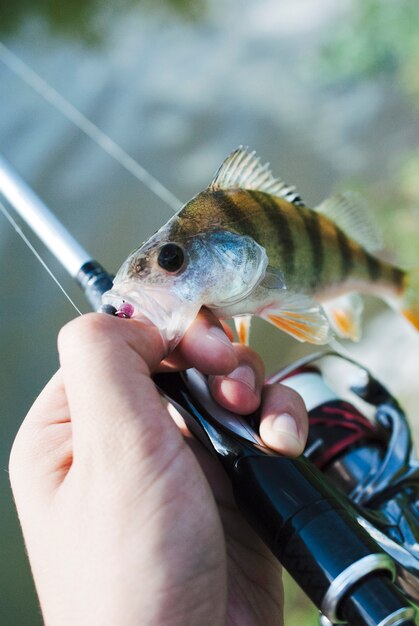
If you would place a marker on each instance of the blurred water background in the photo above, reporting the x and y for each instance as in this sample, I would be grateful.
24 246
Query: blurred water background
327 91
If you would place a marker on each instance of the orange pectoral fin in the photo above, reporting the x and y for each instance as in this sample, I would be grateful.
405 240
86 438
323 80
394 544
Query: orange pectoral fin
292 327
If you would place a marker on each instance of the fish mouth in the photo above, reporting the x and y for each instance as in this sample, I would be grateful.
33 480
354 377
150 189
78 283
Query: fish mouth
166 310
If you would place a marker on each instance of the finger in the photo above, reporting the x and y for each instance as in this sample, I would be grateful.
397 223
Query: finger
51 406
205 346
43 445
113 402
284 421
240 390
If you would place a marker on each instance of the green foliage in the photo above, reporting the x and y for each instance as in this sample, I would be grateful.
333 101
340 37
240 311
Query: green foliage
380 39
87 20
377 37
398 200
299 611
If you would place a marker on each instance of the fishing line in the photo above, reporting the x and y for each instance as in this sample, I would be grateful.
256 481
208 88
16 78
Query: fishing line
22 235
61 104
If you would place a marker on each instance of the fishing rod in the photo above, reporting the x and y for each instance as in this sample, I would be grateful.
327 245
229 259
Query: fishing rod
291 504
88 273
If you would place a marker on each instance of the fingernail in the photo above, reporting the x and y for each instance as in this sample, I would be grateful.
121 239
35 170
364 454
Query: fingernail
217 334
244 374
286 425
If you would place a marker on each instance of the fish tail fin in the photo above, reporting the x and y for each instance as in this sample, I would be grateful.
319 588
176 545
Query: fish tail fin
409 303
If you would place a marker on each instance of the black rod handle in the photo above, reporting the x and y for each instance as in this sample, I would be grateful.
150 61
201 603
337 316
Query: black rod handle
313 533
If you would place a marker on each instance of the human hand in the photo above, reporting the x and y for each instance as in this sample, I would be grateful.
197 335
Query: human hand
118 515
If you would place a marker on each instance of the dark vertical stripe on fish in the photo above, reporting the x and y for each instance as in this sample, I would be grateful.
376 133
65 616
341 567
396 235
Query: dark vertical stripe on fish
281 229
345 251
234 213
313 228
373 266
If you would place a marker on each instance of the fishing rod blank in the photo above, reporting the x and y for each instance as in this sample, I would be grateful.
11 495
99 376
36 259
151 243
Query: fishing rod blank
90 275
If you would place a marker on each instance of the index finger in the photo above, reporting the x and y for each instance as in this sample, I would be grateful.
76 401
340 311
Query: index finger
205 346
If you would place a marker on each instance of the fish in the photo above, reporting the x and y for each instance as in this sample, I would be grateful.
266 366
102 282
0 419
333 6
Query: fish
248 245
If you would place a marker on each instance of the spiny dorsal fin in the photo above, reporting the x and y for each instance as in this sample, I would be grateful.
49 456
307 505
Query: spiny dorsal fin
243 169
350 212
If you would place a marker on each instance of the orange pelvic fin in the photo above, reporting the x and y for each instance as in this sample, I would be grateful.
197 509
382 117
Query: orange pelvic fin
242 324
299 316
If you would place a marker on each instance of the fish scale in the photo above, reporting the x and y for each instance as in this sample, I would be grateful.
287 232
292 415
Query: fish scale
294 238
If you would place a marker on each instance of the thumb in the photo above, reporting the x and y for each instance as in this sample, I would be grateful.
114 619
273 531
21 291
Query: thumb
114 405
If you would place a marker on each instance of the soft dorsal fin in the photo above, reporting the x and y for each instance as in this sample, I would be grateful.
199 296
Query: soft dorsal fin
243 169
350 212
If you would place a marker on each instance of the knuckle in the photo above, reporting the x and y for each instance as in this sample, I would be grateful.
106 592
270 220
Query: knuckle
83 330
249 357
295 399
295 405
287 400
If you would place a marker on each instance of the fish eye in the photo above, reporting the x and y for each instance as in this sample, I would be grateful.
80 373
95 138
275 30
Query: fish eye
171 257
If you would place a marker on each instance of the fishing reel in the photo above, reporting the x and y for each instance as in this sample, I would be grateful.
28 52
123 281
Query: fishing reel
370 459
